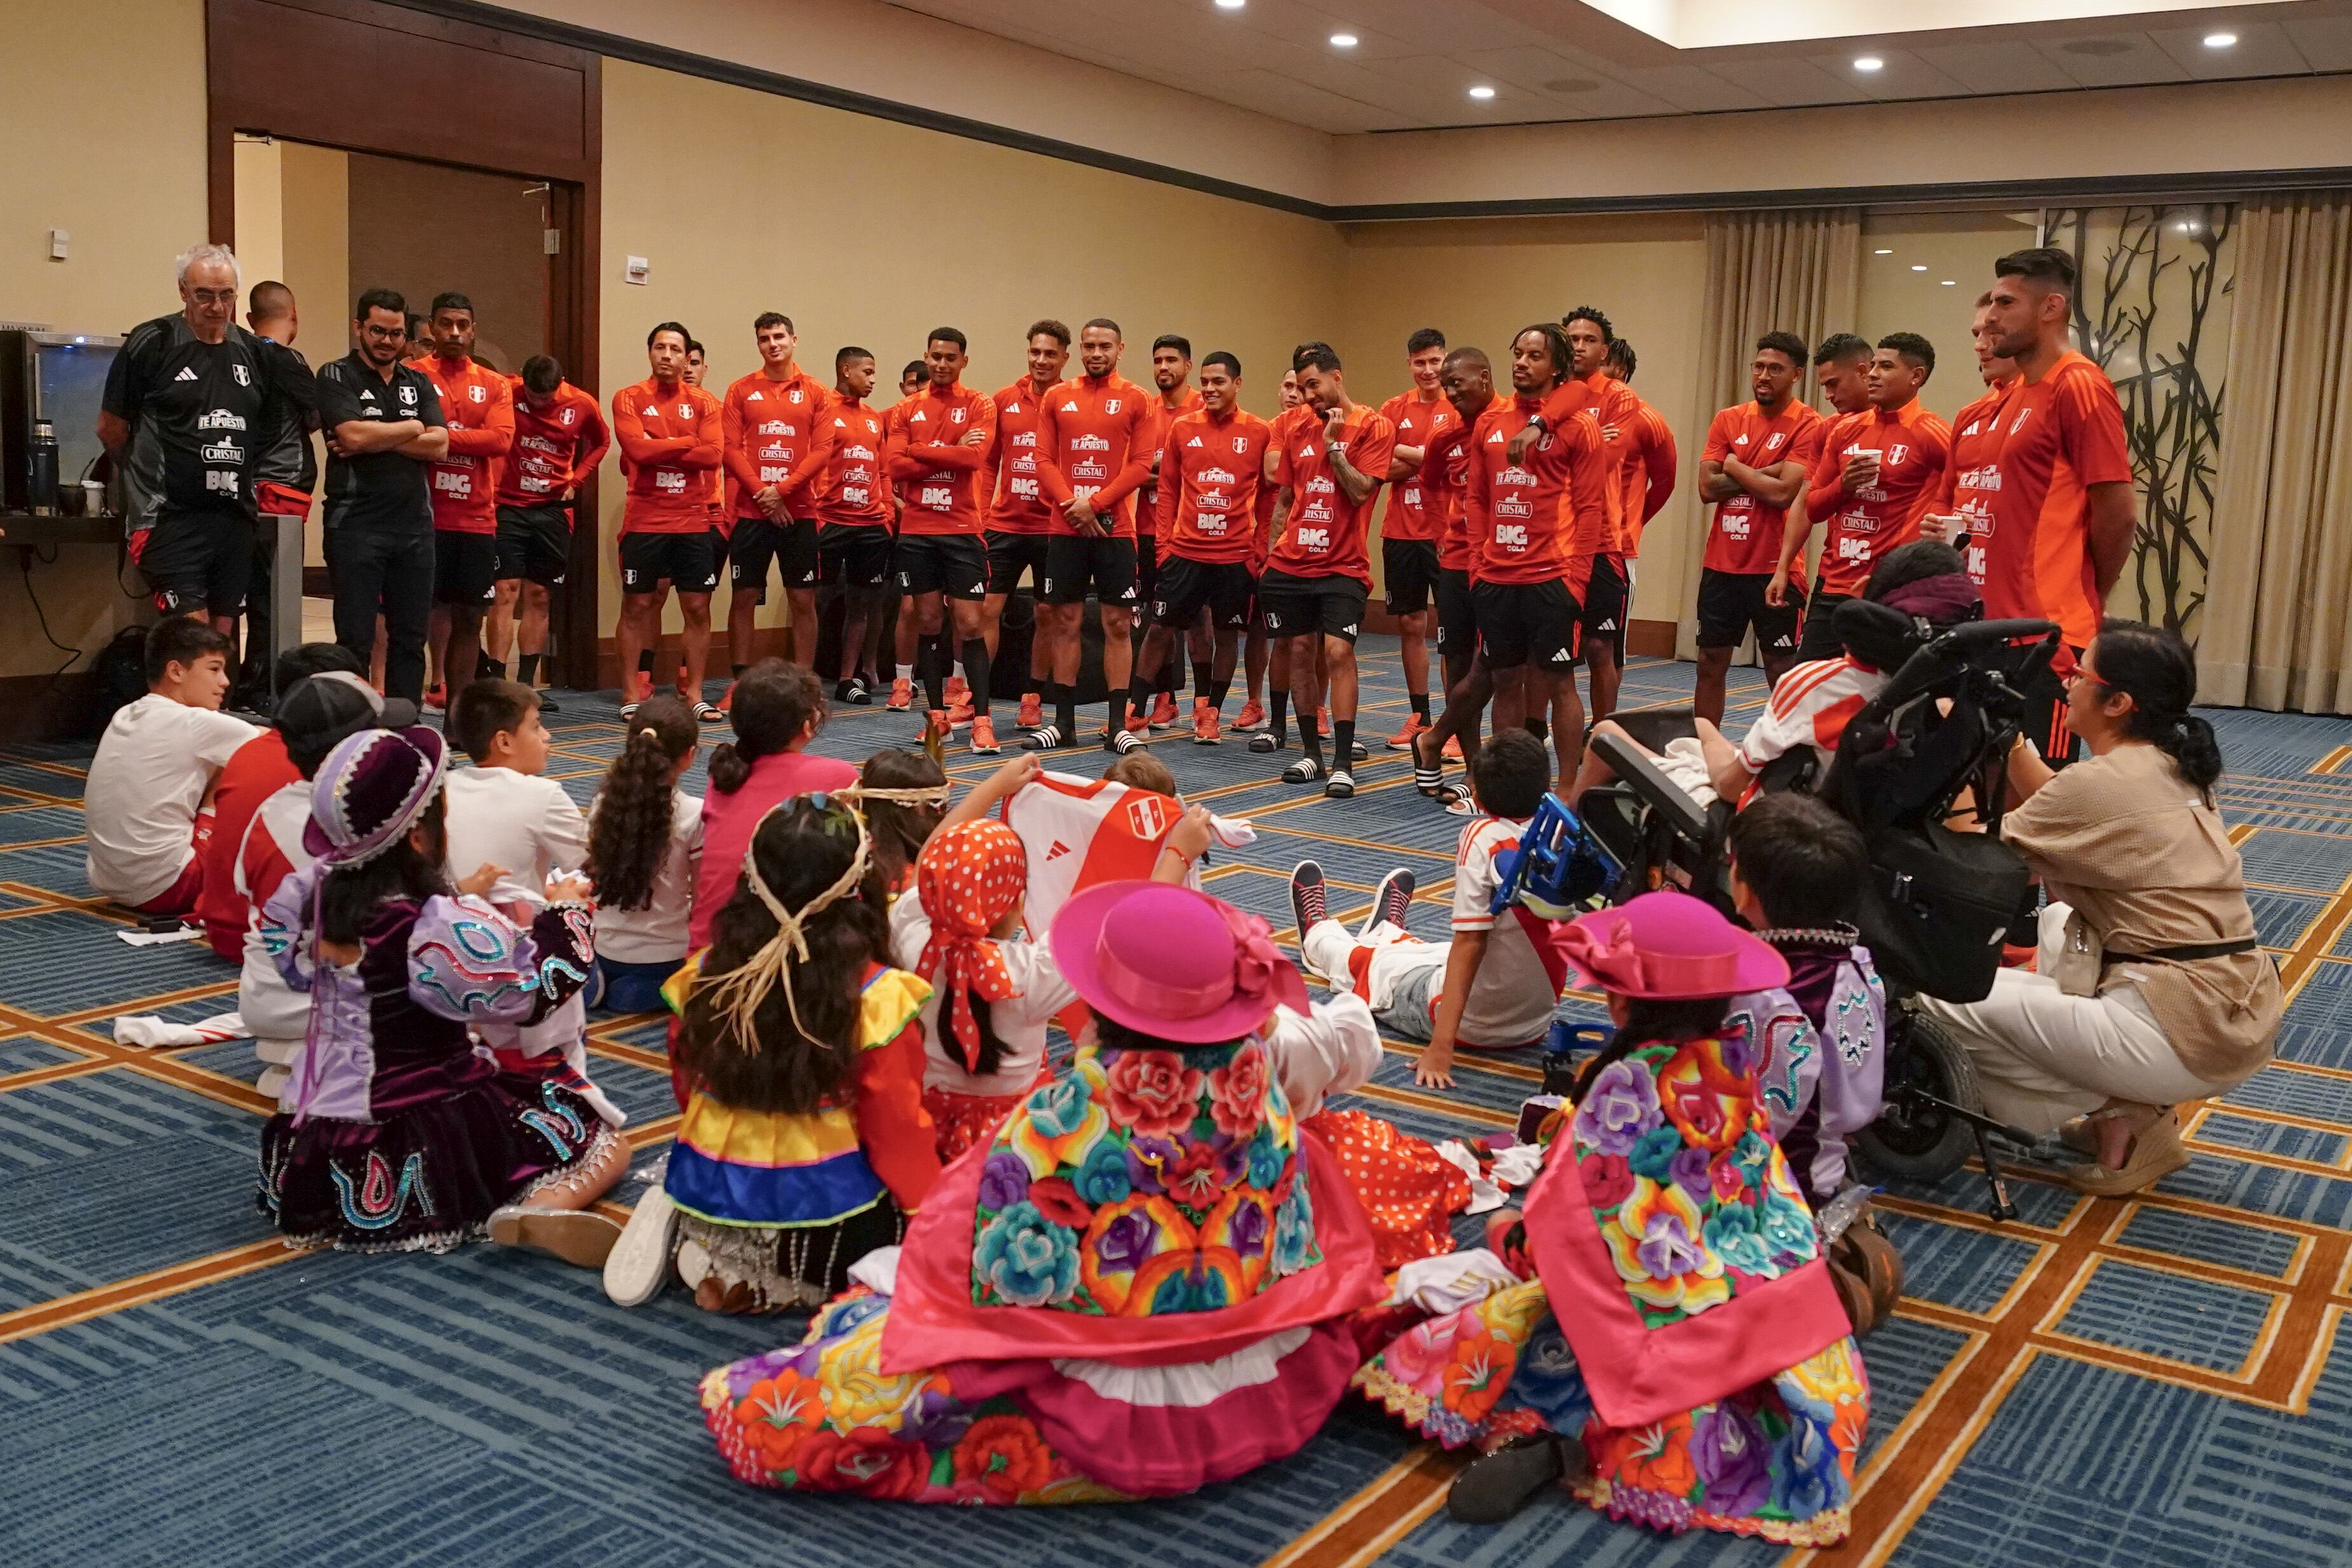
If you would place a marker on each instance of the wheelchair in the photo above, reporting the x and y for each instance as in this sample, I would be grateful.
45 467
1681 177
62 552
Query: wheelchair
1941 900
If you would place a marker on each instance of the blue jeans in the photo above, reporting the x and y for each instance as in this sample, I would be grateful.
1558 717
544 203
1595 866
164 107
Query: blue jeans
630 987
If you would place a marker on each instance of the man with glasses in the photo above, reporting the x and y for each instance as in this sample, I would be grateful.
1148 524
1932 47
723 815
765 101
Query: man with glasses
384 427
183 415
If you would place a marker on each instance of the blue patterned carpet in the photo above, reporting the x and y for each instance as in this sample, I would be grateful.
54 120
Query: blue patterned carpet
2158 1381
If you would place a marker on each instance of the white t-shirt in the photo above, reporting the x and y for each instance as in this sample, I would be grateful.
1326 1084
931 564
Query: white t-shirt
1512 1001
1019 1020
656 933
520 821
155 763
1810 706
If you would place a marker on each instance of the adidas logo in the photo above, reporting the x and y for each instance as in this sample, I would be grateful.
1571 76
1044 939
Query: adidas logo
1069 408
1607 626
1564 657
186 375
1058 850
1193 442
1347 631
1495 439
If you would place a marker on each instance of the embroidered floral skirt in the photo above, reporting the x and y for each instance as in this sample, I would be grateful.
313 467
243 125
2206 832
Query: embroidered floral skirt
1409 1192
425 1178
1776 1460
823 1415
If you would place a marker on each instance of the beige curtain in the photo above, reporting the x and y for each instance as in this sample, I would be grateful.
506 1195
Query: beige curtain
2278 606
1797 271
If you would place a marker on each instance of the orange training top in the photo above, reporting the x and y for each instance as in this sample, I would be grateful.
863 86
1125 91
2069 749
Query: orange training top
671 439
1211 473
1094 438
774 434
478 403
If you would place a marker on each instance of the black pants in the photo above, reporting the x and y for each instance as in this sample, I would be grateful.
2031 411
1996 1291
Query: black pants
375 573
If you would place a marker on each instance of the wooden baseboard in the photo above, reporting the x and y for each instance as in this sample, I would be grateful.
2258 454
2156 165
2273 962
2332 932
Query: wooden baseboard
1651 639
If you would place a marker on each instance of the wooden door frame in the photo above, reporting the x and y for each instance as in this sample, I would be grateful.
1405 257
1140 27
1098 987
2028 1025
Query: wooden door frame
251 87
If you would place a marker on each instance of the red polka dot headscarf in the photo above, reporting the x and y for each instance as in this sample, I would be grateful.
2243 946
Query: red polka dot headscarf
966 877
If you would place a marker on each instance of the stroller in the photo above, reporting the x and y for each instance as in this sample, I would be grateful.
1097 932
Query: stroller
1940 901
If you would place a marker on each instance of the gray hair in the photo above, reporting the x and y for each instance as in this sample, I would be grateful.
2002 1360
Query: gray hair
209 252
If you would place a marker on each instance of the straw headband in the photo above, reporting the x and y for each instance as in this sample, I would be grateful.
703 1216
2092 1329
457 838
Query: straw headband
737 995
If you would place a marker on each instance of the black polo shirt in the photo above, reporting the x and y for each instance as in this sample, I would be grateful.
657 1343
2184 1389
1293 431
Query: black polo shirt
195 410
284 454
386 491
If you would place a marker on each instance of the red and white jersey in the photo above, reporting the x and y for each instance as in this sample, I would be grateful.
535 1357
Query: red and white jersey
1810 706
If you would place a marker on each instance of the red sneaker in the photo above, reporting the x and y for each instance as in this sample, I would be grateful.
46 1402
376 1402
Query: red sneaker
1323 721
1033 712
1251 718
959 715
1136 723
1402 740
1454 748
1205 723
727 699
982 739
959 693
436 700
902 696
1163 711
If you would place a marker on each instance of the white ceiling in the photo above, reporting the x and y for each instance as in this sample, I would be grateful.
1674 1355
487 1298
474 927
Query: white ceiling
1415 60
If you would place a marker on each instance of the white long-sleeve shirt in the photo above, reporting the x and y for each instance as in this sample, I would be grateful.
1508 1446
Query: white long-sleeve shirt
1331 1049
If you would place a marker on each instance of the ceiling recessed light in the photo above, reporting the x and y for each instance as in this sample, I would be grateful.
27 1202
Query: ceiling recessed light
1882 253
2220 40
1482 91
1869 63
1231 5
1918 266
1343 40
1951 283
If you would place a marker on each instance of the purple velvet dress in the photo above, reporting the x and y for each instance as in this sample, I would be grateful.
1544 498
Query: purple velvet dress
404 1135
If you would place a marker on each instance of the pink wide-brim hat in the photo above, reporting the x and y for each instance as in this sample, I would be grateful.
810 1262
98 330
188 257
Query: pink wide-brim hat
1170 962
1669 946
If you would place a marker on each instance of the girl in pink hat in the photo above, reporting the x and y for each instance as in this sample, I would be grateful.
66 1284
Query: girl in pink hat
1140 1285
1678 1356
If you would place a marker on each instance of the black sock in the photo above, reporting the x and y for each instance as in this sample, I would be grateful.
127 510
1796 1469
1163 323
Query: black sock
1420 704
1343 742
527 668
1308 735
737 669
1066 711
1205 679
932 660
975 672
1217 691
1169 669
1277 707
1139 693
1540 729
645 662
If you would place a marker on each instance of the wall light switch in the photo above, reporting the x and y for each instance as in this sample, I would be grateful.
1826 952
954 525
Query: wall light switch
59 239
639 268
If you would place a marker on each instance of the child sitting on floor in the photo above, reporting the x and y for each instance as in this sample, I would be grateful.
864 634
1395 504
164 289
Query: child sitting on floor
644 847
148 804
503 811
1495 984
401 1136
1797 874
777 711
1680 1356
804 1145
901 826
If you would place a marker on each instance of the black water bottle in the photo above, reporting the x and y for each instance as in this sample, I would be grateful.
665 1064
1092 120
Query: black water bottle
41 470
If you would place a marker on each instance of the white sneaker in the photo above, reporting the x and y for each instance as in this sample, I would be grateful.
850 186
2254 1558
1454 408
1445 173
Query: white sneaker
638 1264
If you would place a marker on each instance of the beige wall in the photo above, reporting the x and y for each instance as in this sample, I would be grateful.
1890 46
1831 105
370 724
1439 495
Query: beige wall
998 255
1960 245
104 109
907 58
1480 281
314 224
423 230
2295 122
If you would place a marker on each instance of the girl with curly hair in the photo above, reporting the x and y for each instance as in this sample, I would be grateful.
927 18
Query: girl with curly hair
644 848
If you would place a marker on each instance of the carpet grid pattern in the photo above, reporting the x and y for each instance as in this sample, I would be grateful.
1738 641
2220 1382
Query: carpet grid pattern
2158 1380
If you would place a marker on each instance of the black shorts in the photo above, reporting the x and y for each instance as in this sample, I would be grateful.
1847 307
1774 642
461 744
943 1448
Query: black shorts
687 561
853 556
1524 623
1076 563
1299 606
1731 602
197 560
953 564
1147 566
1186 586
534 544
464 567
1821 639
1606 598
790 544
1011 554
1410 569
2045 722
1457 620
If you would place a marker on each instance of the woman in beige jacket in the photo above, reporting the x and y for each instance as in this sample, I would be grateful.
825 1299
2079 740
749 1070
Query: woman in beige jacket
2185 1003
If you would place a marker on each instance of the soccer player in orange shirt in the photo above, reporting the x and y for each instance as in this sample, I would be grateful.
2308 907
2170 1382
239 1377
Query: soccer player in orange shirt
1469 378
1963 509
1212 466
1876 476
1410 528
1020 520
1842 365
1093 455
1752 469
671 442
479 406
777 443
560 438
1171 371
1318 578
1650 464
1257 653
852 515
2062 516
939 440
1605 601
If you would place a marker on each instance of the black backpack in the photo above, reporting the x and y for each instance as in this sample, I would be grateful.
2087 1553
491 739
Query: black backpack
117 676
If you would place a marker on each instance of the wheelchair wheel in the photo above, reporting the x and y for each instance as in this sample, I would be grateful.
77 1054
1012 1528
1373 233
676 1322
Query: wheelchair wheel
1915 1139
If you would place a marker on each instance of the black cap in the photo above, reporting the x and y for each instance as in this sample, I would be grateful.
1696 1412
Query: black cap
323 709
